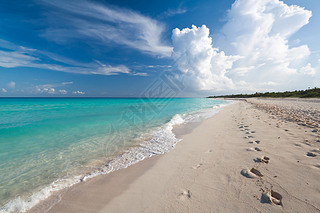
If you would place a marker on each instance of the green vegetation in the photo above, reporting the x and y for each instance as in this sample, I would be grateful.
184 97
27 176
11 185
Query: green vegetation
309 93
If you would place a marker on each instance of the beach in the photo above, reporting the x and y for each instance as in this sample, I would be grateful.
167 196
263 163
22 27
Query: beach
252 156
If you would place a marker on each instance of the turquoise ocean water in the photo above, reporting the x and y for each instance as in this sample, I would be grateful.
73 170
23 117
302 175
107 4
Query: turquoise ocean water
49 144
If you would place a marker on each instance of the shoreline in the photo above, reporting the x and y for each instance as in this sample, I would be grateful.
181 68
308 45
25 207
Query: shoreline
125 159
206 176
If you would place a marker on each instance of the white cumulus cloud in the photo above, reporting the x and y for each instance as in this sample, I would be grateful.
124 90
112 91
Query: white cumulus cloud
308 70
253 53
51 88
259 31
46 90
78 92
63 91
204 67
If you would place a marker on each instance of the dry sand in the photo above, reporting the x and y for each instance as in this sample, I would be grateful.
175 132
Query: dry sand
243 159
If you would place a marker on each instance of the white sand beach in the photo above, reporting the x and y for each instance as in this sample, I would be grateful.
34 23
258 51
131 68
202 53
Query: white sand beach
250 157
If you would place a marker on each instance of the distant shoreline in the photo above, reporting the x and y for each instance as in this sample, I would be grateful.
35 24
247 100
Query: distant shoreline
309 93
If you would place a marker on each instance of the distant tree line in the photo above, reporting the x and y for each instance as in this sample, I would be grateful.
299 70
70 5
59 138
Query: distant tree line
308 93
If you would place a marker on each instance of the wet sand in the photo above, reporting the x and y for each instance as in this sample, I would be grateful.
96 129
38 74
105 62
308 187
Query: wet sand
250 157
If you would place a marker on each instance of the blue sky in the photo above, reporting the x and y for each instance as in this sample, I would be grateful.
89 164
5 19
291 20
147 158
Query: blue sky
122 48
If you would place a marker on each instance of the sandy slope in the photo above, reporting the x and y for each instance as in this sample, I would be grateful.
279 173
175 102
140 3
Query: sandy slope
209 171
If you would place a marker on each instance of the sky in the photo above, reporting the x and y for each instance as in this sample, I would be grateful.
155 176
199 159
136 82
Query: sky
118 48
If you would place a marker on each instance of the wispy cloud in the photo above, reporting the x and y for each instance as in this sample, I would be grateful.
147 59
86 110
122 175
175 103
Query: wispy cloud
104 24
141 74
9 59
19 56
173 12
55 84
111 70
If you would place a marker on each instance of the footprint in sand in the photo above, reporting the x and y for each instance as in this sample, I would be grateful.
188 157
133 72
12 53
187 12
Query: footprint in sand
184 195
254 149
209 151
253 131
316 151
310 154
197 166
257 149
251 173
307 143
317 166
271 197
263 159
